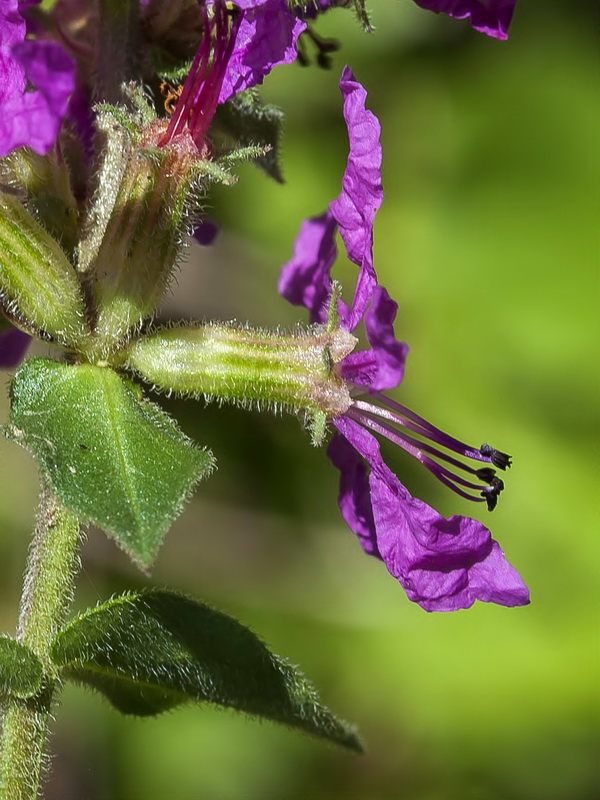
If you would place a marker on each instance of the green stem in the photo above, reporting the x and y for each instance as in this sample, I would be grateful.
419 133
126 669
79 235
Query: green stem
117 34
47 595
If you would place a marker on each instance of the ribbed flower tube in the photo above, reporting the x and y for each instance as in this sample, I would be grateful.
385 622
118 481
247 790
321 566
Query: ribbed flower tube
247 366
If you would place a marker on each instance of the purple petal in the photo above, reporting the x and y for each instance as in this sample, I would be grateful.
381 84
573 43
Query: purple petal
390 354
12 31
360 368
305 280
33 119
488 16
267 37
206 231
381 367
443 564
355 495
362 192
13 345
82 117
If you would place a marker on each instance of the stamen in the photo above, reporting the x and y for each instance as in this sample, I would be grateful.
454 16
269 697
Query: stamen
226 23
394 426
424 428
498 459
171 95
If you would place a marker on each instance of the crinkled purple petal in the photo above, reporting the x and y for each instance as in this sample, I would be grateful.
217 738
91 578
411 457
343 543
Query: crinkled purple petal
267 36
13 345
381 367
305 280
12 31
389 353
355 495
442 564
33 119
492 17
362 192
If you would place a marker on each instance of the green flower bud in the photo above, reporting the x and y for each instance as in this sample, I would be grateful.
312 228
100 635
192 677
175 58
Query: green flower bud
267 369
146 198
39 288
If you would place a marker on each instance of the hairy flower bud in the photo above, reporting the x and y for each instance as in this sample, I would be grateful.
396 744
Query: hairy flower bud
136 226
43 183
39 288
247 366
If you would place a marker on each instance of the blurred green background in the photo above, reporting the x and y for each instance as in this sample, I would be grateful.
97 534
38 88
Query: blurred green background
486 240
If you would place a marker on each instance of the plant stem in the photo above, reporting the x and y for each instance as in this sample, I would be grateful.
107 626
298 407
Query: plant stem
47 594
117 48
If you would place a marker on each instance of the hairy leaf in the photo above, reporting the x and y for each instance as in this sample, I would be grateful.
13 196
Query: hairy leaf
246 121
113 458
363 16
20 669
152 651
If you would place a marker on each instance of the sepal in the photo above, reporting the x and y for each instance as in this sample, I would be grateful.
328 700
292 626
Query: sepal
129 241
147 198
43 183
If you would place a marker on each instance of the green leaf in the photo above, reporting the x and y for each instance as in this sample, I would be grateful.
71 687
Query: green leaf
246 121
152 651
112 458
20 669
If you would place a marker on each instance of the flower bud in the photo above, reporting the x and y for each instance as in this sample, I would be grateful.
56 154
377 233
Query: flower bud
43 183
249 367
39 288
135 228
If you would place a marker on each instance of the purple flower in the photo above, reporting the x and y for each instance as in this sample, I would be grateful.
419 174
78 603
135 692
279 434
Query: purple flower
199 95
13 344
206 231
240 44
488 16
443 564
267 37
30 118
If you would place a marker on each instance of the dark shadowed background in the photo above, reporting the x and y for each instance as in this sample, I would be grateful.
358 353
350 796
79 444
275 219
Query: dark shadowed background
486 240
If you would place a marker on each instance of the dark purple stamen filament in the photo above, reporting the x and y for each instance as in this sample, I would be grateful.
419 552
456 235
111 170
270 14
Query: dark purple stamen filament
393 423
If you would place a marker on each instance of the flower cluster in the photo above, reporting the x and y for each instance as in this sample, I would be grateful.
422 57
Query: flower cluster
443 564
118 117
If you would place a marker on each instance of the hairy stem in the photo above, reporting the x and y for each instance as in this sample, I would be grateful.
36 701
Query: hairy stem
47 595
